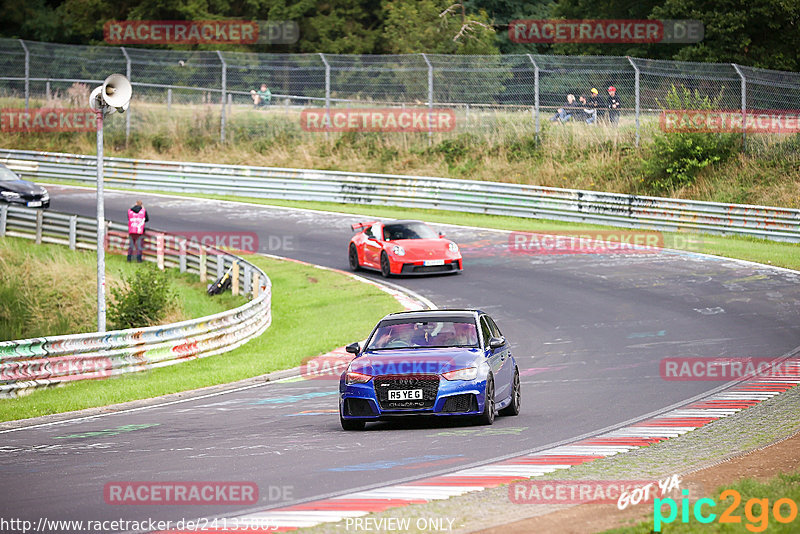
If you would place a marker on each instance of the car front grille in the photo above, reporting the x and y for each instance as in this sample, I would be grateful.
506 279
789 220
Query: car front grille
461 403
429 384
447 267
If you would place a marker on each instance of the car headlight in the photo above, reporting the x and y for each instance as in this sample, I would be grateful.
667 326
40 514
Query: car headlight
452 246
470 373
45 195
356 378
9 194
398 250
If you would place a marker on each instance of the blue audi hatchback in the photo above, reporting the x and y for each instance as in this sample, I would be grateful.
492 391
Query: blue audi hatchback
431 362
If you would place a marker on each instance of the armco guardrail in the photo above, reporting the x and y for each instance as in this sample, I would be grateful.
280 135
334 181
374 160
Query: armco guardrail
472 196
48 361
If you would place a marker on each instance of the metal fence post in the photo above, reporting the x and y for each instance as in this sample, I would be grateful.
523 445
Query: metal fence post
169 99
27 73
222 98
430 97
535 95
327 90
636 91
744 105
128 114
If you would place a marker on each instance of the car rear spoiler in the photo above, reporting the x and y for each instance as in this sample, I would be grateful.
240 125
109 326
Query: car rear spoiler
361 226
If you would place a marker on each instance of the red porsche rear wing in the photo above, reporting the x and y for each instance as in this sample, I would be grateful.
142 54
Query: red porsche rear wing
361 226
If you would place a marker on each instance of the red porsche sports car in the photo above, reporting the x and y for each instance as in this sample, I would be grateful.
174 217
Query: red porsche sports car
402 247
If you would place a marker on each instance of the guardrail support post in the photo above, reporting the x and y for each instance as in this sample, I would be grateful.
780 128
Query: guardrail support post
160 251
235 278
73 232
744 105
128 111
27 73
535 95
636 91
3 220
256 285
39 221
222 98
248 274
203 271
182 255
220 265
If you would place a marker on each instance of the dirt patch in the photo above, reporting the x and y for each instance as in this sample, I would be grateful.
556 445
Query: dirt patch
762 465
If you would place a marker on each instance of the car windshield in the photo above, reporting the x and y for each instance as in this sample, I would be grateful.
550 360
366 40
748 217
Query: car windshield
414 230
7 175
424 334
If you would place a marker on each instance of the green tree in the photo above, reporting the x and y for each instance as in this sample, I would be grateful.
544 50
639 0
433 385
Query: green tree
436 27
502 12
608 9
758 33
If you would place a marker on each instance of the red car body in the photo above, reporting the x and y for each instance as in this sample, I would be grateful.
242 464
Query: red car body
402 248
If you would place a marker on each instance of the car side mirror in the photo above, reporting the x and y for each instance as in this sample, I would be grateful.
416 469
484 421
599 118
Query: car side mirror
441 235
497 342
353 348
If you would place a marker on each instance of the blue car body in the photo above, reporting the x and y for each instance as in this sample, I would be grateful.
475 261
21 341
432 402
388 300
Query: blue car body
416 368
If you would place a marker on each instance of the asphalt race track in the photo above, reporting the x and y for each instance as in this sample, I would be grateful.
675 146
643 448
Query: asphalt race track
588 331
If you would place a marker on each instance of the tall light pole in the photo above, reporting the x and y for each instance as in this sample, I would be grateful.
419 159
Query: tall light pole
113 95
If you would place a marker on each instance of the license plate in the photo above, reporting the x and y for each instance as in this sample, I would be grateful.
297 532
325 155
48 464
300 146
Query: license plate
35 204
405 394
431 263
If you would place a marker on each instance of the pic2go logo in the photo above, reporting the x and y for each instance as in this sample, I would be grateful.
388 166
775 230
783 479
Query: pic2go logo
756 511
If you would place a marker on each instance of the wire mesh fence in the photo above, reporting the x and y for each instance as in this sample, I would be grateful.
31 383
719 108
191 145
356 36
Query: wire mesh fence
527 89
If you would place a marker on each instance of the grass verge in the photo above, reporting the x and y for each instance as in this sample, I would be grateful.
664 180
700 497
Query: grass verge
486 145
48 290
304 300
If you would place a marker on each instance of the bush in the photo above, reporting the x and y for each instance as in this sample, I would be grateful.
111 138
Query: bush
675 158
142 299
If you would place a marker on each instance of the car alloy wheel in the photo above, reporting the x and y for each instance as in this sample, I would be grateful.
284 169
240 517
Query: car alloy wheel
487 417
386 271
353 256
516 397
